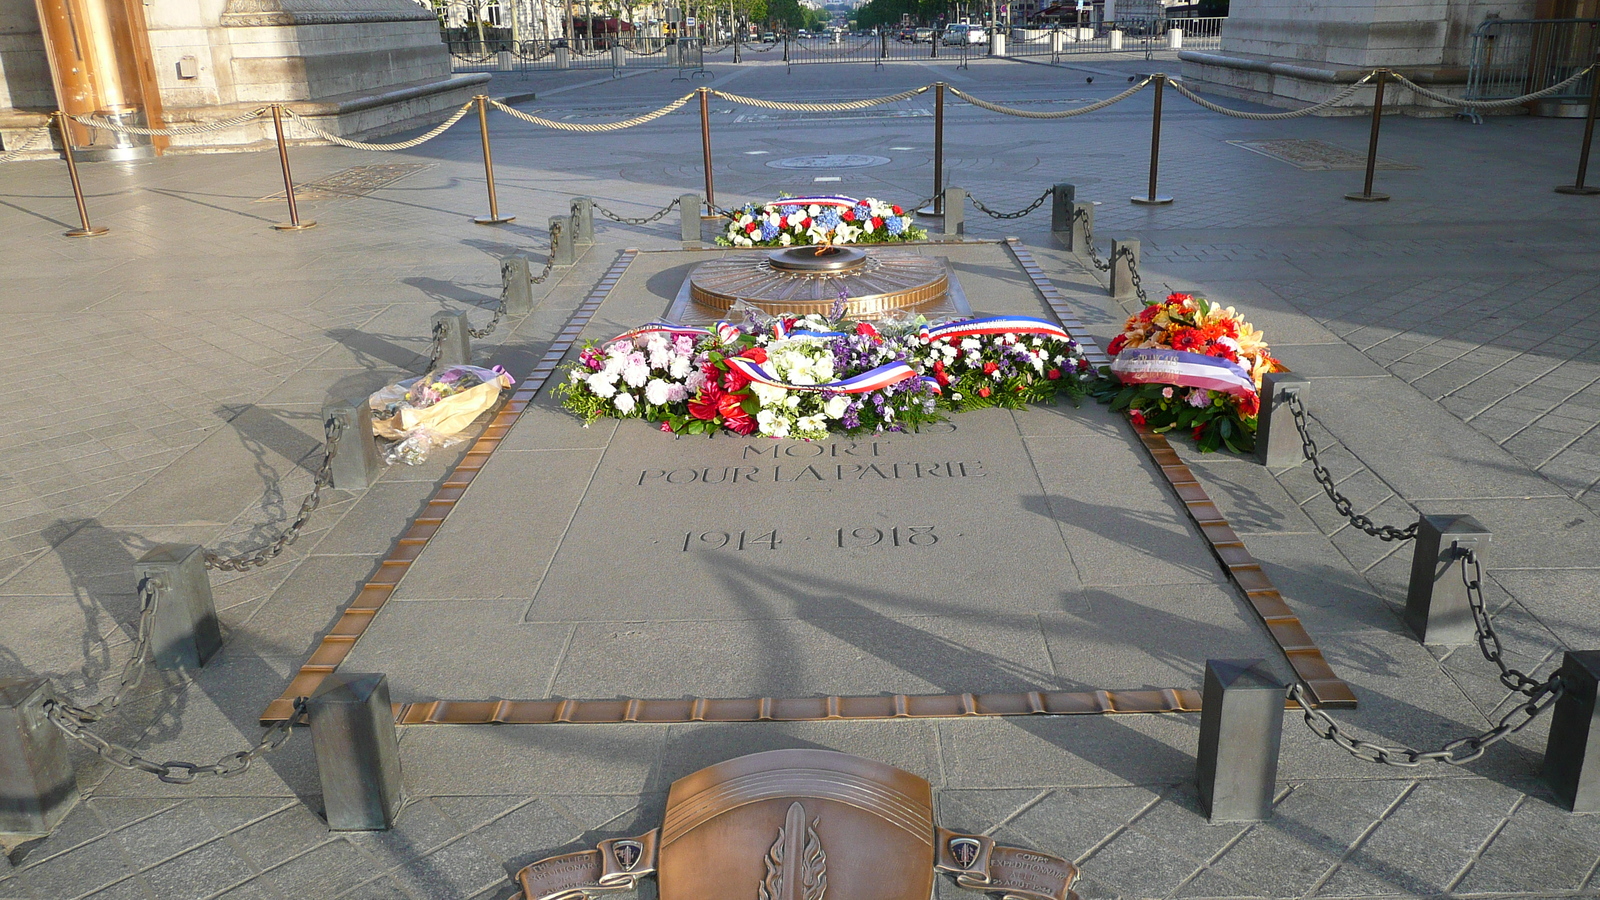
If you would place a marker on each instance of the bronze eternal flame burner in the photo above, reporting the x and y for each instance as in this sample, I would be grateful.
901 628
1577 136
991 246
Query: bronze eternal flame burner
805 280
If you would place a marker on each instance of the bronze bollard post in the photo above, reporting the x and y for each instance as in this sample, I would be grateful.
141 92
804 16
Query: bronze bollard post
294 223
77 189
1151 199
938 151
1372 145
1578 187
494 217
705 147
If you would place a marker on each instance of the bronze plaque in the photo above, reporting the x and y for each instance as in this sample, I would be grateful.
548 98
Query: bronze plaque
800 825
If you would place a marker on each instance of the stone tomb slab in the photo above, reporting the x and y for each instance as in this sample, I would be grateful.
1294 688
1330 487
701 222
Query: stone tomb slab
999 551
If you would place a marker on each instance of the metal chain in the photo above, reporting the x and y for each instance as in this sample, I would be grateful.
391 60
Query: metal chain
244 562
1341 503
1488 641
1133 270
150 589
645 220
1456 753
174 771
437 350
1038 202
499 310
1082 215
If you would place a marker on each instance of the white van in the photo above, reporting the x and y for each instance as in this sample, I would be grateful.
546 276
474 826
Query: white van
963 33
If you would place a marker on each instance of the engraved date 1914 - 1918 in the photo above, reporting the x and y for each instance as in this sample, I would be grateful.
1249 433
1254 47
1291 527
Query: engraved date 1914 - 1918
840 539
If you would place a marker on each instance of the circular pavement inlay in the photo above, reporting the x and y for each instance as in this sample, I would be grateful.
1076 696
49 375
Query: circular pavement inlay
840 161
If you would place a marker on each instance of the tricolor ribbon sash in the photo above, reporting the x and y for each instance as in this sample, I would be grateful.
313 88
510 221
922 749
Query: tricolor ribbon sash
1151 365
952 331
725 332
873 380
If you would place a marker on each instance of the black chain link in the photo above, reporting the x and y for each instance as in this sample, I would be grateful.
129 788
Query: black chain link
72 719
499 310
1133 270
643 220
1038 202
174 771
1082 215
1539 695
333 428
1341 503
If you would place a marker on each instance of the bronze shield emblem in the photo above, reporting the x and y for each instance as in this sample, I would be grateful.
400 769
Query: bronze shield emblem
800 825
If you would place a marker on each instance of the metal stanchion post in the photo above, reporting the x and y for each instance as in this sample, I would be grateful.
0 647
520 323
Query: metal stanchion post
937 207
357 751
455 344
184 633
1578 187
37 780
1572 754
294 223
1438 603
1277 440
494 217
705 147
1241 731
356 465
77 189
1152 199
1372 145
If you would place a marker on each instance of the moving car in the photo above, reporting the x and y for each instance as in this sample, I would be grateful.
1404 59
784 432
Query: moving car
962 33
923 35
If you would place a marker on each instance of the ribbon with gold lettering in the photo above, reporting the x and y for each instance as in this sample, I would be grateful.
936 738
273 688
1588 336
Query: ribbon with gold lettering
614 865
979 864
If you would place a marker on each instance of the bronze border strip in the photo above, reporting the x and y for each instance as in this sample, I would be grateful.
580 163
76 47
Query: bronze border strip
794 709
1328 689
339 640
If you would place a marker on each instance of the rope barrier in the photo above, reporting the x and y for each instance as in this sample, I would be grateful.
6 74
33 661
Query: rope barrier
1336 99
439 129
1421 91
672 107
220 124
821 107
1065 114
27 141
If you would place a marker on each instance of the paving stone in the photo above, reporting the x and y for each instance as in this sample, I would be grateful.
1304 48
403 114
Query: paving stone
328 869
71 874
204 870
165 835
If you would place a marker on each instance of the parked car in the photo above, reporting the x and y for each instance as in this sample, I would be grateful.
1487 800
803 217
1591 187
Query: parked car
923 35
906 34
768 37
962 33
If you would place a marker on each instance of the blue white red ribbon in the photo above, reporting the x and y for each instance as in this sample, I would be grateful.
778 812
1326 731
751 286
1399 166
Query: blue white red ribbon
1154 365
725 332
829 200
951 331
866 382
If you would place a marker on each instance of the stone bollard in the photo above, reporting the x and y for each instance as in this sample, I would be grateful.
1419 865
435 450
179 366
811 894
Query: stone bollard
617 60
37 782
563 249
1241 728
358 754
1572 754
563 58
1437 608
1082 228
1277 439
355 463
582 220
1115 37
503 60
455 345
1122 269
689 217
1061 199
997 43
516 285
184 633
955 212
1174 38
